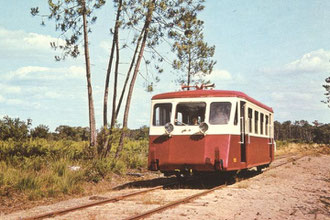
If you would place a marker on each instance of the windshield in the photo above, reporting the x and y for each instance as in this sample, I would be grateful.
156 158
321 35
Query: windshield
190 113
220 113
162 114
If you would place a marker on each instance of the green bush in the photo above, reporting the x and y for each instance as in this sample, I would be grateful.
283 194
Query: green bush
27 181
97 169
39 167
135 154
42 148
119 167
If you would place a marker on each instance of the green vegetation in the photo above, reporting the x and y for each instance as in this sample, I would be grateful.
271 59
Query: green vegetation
37 163
59 163
302 132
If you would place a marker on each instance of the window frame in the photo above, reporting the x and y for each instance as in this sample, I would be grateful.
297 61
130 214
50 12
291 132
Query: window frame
154 113
261 123
210 108
250 116
176 112
256 122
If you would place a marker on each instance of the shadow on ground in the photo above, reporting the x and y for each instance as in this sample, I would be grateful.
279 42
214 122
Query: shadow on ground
205 181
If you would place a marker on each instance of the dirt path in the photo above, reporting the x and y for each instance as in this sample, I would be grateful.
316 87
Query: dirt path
298 190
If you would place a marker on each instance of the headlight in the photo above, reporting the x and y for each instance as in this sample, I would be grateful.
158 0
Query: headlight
203 127
169 127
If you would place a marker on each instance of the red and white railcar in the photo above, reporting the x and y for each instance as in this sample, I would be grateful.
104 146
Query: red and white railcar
209 130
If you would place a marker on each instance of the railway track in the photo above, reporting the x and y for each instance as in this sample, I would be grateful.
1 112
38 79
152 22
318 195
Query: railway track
95 203
141 192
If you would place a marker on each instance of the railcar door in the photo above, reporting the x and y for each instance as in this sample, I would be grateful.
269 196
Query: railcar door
270 136
242 132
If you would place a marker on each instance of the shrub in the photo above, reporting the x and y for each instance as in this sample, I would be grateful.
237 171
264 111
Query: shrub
39 167
119 167
27 181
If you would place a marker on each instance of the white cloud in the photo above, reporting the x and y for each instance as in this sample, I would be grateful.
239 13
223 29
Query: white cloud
74 71
314 62
52 94
219 75
106 45
45 73
2 99
20 40
24 72
8 89
15 102
291 97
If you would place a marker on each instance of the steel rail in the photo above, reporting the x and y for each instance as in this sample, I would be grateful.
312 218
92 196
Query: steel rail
113 199
189 198
172 204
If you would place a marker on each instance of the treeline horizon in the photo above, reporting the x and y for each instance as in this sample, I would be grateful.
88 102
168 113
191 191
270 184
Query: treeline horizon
290 131
302 132
20 130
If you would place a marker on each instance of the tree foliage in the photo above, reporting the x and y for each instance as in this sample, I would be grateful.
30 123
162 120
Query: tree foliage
67 15
41 131
327 93
72 133
14 128
302 131
193 53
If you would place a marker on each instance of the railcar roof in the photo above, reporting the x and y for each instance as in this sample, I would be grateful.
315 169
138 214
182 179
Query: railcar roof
210 93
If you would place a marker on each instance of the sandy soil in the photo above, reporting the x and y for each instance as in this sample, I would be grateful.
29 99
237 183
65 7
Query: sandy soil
298 190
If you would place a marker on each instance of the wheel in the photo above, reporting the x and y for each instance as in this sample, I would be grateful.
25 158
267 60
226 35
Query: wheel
259 169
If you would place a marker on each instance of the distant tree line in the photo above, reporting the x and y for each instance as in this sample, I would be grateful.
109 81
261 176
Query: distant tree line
19 130
303 132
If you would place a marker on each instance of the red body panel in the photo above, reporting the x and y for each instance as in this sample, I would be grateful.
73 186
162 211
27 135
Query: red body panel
206 153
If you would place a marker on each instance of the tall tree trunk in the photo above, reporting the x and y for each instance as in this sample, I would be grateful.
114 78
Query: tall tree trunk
128 74
107 80
114 99
89 83
115 44
135 73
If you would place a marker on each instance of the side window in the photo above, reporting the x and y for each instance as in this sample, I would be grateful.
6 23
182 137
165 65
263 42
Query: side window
162 114
261 123
256 114
250 120
220 113
266 129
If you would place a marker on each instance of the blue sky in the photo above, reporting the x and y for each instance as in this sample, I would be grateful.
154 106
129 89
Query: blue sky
278 52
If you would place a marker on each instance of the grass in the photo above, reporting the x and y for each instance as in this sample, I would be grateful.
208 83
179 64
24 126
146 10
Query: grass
301 148
38 169
42 169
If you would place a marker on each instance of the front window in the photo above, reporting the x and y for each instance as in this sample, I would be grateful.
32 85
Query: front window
190 113
220 113
162 114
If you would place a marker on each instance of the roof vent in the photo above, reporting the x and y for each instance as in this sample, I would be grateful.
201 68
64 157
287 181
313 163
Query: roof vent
196 87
